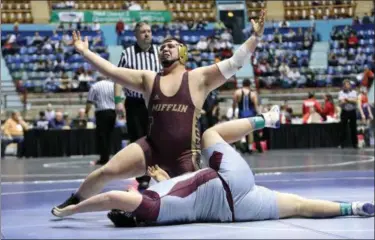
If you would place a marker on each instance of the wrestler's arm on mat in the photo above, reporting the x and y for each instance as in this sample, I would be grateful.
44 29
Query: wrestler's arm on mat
132 79
215 75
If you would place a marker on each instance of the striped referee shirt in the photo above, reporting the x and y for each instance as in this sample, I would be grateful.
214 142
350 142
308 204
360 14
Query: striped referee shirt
134 57
102 94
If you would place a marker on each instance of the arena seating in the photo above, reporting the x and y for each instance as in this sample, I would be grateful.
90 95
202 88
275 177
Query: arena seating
192 10
347 61
296 10
30 61
289 45
16 11
254 7
94 5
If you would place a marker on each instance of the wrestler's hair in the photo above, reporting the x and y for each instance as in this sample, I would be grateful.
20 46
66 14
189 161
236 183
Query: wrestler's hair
311 95
173 39
246 82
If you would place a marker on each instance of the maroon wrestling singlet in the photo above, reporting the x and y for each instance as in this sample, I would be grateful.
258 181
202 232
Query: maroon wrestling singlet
173 139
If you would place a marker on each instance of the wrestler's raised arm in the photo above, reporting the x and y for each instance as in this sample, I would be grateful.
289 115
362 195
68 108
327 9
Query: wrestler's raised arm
132 79
216 74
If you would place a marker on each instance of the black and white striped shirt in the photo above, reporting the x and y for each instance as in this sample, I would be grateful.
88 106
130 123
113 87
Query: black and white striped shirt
102 95
134 58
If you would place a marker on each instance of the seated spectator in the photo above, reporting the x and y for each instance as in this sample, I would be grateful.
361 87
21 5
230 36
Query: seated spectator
12 132
81 120
226 36
201 25
219 25
352 41
36 40
291 34
95 26
42 122
65 83
85 79
361 58
332 61
284 69
57 122
296 78
294 62
284 24
356 21
50 84
202 45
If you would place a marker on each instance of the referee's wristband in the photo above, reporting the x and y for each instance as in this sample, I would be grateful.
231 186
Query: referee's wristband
118 99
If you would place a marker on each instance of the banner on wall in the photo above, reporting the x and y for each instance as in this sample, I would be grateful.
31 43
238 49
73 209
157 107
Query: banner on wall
110 16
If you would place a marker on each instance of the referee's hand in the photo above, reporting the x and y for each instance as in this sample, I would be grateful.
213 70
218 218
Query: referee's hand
120 110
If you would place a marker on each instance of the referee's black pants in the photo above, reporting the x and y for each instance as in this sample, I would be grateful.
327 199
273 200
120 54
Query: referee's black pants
351 117
136 121
105 124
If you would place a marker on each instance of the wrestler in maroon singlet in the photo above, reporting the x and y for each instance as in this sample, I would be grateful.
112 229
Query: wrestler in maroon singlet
173 139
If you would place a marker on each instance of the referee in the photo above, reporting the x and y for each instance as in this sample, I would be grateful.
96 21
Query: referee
143 55
102 96
348 104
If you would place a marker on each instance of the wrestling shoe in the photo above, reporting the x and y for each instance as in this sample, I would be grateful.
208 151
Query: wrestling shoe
272 117
365 209
72 200
122 219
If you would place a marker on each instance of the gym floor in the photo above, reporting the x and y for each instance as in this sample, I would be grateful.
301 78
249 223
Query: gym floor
31 187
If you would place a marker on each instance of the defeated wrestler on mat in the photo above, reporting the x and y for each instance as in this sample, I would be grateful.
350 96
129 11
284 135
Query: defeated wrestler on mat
174 100
224 192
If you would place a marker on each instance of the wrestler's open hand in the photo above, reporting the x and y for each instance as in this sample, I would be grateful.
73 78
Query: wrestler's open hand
80 45
157 173
258 25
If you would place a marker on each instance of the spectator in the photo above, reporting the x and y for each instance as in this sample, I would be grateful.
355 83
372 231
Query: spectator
42 122
36 40
134 6
366 19
50 113
311 109
120 28
352 41
356 21
202 45
13 130
65 83
348 104
96 26
57 122
284 24
365 113
219 25
329 111
226 36
81 120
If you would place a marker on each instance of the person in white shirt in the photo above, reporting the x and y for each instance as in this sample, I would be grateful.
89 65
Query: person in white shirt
348 104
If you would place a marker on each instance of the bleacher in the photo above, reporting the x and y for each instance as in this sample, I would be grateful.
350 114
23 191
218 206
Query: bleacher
277 47
34 64
297 10
192 10
16 11
344 60
93 5
254 7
